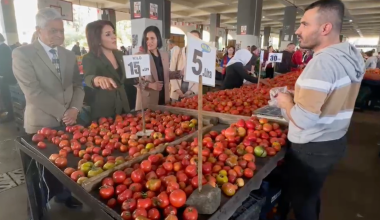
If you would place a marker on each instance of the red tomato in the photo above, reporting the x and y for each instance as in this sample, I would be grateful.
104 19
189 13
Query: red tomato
76 175
119 177
146 166
151 175
120 188
136 187
190 213
111 203
126 215
140 212
144 203
163 200
177 198
191 171
106 192
137 176
248 173
160 172
170 210
154 214
153 184
41 145
171 186
107 182
129 205
127 194
168 166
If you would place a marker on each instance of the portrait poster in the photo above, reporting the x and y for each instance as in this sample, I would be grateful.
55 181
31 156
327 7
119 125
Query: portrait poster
153 12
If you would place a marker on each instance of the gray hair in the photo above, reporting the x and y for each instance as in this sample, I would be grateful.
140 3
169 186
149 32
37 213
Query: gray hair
45 15
170 42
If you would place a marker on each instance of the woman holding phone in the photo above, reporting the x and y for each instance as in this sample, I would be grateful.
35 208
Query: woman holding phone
154 89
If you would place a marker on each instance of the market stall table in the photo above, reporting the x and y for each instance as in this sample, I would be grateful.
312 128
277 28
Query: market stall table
32 159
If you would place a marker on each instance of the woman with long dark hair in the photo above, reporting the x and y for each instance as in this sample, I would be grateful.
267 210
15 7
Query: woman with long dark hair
269 70
104 71
226 58
155 89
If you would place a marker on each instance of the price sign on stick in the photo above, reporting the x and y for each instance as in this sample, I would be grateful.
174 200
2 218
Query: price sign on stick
275 57
138 66
200 68
260 67
200 61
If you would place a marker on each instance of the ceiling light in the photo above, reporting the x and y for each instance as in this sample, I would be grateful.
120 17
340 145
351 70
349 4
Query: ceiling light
350 20
263 16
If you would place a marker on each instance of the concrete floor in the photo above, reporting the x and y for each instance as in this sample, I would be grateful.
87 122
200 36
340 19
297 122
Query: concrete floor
351 192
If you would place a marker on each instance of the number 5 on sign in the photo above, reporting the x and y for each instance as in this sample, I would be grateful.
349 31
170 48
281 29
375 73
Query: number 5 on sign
137 65
275 57
200 61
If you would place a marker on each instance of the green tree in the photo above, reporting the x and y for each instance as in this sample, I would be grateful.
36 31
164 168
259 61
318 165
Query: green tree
123 29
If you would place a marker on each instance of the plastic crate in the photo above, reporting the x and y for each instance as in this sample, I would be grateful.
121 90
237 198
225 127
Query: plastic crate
249 210
17 95
18 111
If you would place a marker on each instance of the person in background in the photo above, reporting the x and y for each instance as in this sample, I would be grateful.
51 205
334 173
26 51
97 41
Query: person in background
251 65
320 111
83 51
174 52
180 88
308 56
48 75
371 61
104 72
223 50
155 88
226 58
378 61
7 79
76 49
123 50
286 64
297 59
249 48
235 71
269 71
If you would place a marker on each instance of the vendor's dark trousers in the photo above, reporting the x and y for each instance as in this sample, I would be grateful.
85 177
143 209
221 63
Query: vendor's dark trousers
269 73
304 172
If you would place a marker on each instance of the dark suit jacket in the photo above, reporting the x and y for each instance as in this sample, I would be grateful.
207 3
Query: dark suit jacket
105 103
48 95
6 64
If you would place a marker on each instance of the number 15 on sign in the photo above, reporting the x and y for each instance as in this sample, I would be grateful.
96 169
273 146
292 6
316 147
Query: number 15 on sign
137 65
200 61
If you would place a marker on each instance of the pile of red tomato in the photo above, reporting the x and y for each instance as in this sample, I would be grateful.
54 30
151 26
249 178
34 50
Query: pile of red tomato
96 143
240 101
160 185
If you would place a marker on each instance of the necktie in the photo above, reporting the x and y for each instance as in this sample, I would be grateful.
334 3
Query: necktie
55 61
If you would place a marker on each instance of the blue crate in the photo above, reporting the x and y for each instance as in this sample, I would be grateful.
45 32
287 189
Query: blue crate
271 193
249 210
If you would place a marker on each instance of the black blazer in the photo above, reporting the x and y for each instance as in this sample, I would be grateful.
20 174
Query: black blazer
6 64
235 76
105 103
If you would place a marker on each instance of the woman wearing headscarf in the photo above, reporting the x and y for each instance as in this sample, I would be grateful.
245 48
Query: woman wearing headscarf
236 72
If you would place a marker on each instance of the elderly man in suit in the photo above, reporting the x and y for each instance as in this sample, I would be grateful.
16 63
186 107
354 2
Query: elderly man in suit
7 78
48 75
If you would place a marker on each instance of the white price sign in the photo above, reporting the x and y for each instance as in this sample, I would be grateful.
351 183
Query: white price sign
137 65
275 57
201 60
